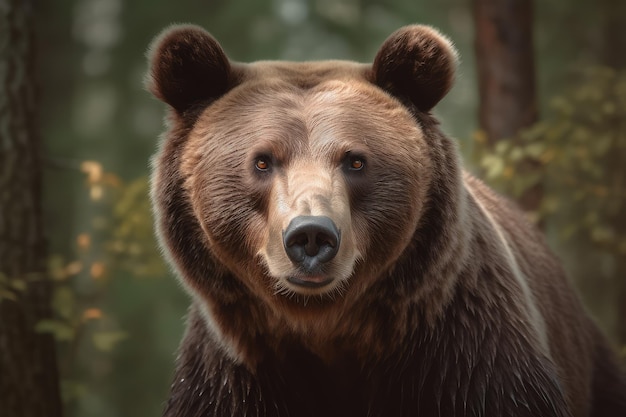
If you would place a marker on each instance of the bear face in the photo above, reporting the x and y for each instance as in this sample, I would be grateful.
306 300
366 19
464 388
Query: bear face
318 184
287 159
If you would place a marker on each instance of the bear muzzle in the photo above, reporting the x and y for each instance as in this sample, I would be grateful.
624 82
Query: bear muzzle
310 242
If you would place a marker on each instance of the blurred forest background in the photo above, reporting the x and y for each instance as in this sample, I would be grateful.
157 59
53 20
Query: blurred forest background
117 312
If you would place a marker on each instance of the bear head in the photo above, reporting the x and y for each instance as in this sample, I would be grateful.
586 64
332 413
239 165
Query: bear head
295 185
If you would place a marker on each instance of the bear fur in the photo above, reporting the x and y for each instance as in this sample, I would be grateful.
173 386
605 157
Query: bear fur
420 292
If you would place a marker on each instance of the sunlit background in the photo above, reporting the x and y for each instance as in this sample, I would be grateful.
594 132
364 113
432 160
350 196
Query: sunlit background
119 310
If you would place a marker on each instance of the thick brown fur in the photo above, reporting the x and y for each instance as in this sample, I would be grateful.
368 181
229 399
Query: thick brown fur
442 301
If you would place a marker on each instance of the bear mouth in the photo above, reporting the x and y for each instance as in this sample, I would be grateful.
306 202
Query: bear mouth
314 281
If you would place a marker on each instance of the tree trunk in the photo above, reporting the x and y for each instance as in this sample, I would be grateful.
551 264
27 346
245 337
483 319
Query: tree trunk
506 74
612 45
28 368
613 39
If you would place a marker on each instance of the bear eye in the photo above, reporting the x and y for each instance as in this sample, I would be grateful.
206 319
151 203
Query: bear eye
262 163
357 164
354 162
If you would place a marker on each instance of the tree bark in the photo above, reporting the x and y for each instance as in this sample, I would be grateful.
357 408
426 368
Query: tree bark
28 368
613 39
611 48
506 74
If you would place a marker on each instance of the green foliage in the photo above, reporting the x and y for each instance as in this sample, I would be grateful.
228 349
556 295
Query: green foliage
132 244
106 341
10 288
118 241
578 154
60 330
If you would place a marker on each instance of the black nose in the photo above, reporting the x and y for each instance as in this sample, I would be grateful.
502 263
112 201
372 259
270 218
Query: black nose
311 241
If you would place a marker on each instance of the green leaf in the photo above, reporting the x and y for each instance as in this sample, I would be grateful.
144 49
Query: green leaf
106 341
534 150
517 154
63 302
551 204
19 284
502 147
602 234
72 390
8 295
56 265
60 330
493 165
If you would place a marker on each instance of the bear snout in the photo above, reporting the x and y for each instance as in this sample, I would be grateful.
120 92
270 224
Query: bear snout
311 241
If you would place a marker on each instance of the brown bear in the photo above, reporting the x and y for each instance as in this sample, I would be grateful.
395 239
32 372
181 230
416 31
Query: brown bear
339 259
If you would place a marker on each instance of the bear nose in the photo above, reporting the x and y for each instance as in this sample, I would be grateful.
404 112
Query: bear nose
311 241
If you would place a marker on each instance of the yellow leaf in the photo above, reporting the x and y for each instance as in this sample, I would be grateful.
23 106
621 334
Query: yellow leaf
96 192
93 170
92 313
547 156
83 240
480 137
97 270
112 180
73 268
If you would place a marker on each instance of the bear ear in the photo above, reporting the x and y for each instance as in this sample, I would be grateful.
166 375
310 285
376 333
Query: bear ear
418 63
187 66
